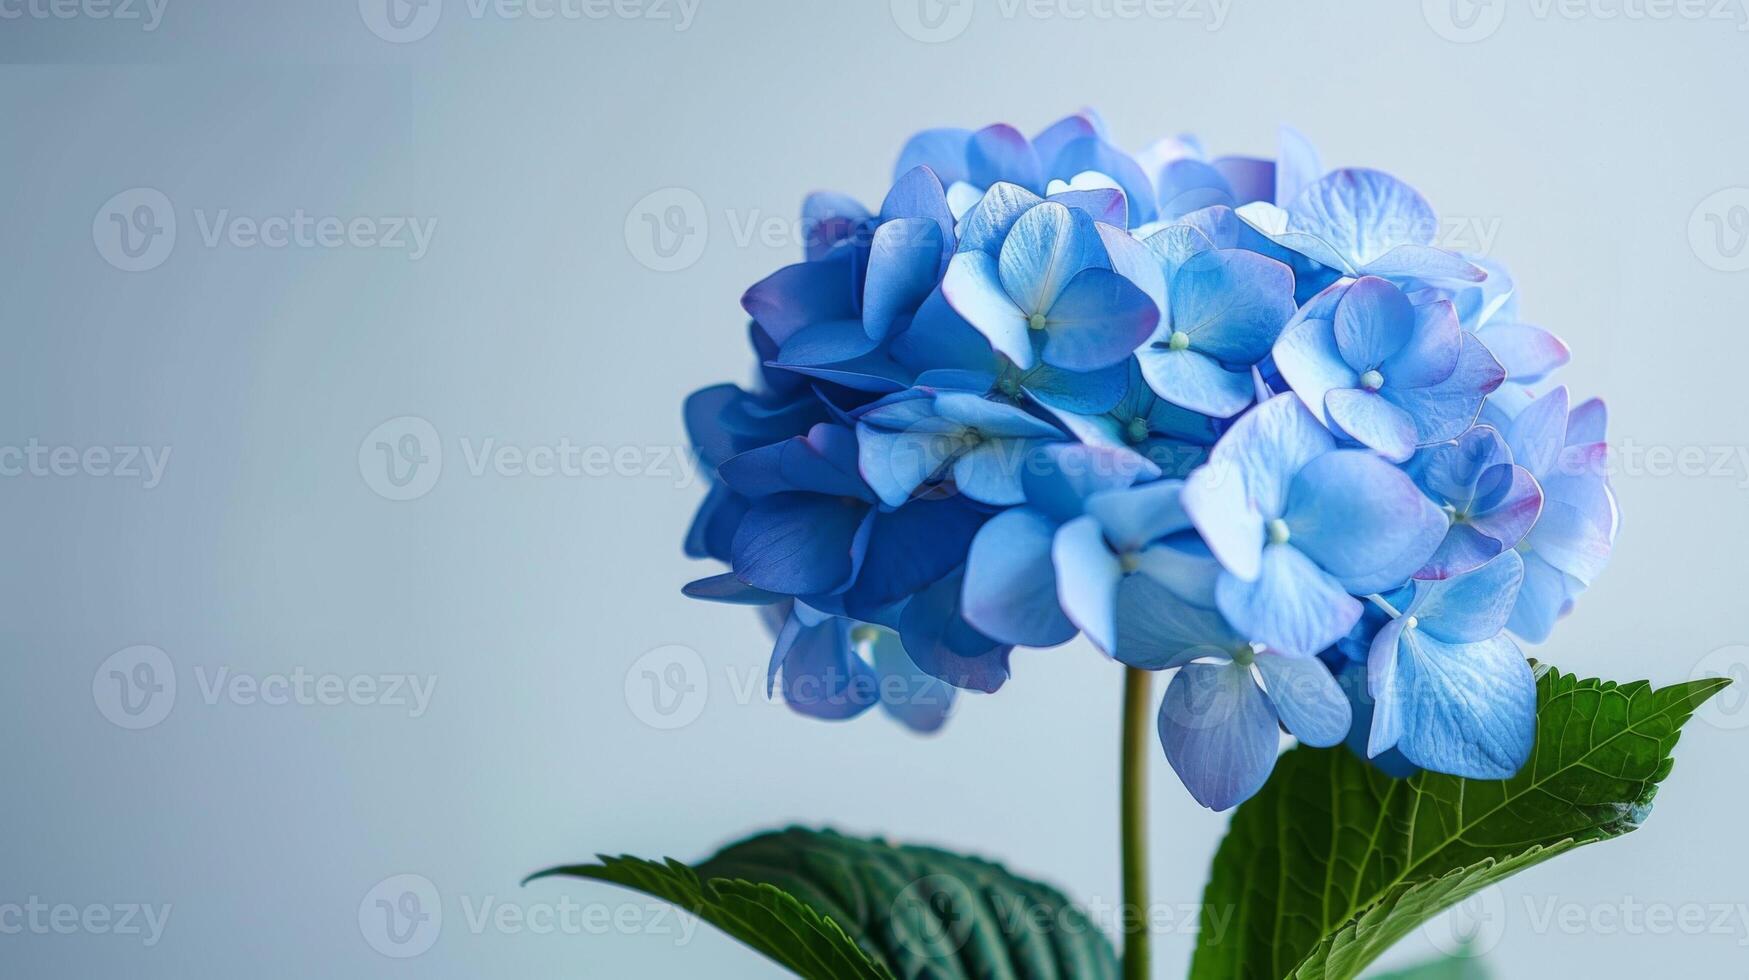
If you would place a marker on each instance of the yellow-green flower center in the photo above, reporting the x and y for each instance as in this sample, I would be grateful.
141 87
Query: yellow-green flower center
1036 321
1278 531
1372 381
1178 341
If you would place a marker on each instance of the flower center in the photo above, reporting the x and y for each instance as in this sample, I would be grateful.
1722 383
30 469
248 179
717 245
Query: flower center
1244 656
1178 341
864 634
1136 431
1278 531
1036 321
1129 561
1411 623
1372 381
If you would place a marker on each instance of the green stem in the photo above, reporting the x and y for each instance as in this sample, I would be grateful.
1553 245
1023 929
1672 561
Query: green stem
1134 918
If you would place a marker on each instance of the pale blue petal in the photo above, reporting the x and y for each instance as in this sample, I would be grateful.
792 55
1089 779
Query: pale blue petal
1542 600
1362 520
941 150
1010 591
1185 565
1001 153
1432 352
1219 732
1539 433
1246 479
1046 248
1471 607
1097 321
1463 709
1527 353
1193 380
1158 629
1294 606
897 463
975 292
1059 477
1231 303
1087 578
1134 517
990 472
1367 418
1307 357
1362 214
1422 262
1446 410
1296 167
1310 702
987 224
1373 323
912 697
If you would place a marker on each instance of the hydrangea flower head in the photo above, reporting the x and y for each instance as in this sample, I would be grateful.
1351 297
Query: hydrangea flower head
1233 418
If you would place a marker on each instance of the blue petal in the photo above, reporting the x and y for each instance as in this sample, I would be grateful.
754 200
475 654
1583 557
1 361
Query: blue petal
911 696
1219 732
822 676
941 150
801 543
1362 520
993 418
712 533
1542 600
1097 321
1087 579
1086 392
1247 477
1133 518
1231 303
902 265
1158 629
1188 185
1010 591
1373 322
1539 433
943 645
801 295
1297 166
1361 215
829 219
1472 607
1058 478
990 472
1309 361
1250 178
1081 155
1310 702
909 549
974 289
1423 263
1293 606
1046 248
824 461
727 588
1527 353
1367 418
895 464
1433 350
1001 153
987 224
1193 380
1446 410
918 193
1464 709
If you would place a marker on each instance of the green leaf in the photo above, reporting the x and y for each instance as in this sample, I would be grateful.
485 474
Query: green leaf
1333 861
839 908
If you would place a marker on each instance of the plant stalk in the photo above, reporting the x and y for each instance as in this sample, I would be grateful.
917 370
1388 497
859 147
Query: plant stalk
1134 805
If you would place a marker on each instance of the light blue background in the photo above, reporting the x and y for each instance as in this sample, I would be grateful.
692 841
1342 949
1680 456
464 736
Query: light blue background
1581 144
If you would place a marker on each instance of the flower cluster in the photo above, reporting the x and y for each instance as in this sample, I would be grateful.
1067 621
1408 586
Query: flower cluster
1236 418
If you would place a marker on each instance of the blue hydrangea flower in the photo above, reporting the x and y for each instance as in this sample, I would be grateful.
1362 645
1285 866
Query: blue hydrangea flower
1298 525
1050 295
1492 502
1382 372
1221 717
1362 223
923 437
1574 535
1452 691
974 405
1223 310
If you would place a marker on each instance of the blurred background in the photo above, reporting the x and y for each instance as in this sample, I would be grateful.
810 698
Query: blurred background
344 480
